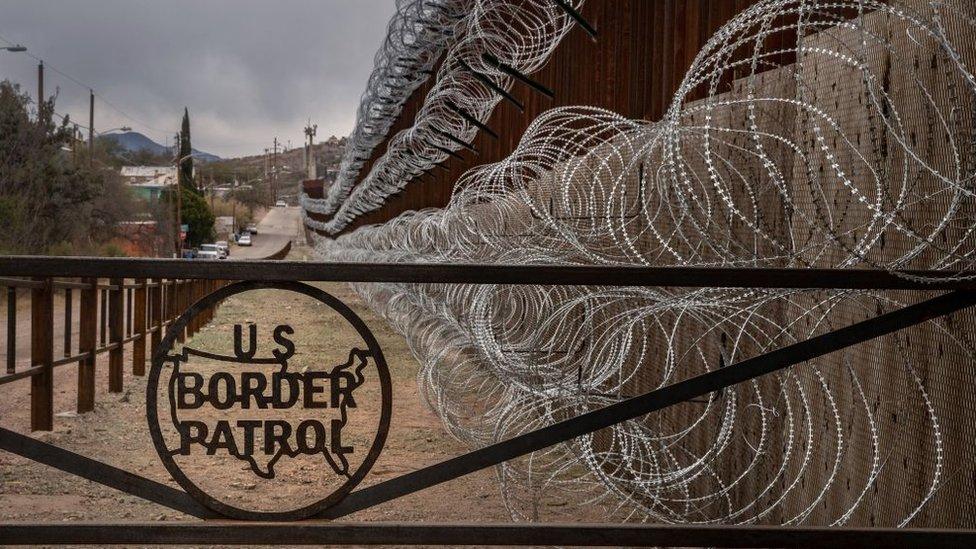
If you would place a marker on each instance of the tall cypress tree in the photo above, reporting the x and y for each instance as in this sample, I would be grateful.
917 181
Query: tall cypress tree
194 212
186 165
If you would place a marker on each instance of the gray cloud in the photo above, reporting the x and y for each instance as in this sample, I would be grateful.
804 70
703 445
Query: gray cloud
247 69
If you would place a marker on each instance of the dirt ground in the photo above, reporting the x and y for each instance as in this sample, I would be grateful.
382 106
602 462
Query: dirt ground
117 433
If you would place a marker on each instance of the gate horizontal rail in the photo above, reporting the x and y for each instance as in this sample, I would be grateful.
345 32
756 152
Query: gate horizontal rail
582 275
392 533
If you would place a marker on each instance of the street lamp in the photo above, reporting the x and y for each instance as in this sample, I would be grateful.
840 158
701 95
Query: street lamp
120 129
178 162
17 48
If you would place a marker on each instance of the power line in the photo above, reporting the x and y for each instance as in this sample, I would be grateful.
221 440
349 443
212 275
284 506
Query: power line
105 100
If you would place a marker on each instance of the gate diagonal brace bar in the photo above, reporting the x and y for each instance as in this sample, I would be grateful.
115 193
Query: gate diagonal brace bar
387 533
529 442
99 472
636 407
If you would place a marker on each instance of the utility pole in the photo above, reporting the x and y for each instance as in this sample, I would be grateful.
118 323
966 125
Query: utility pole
91 128
274 174
74 144
233 200
178 203
310 132
267 164
40 86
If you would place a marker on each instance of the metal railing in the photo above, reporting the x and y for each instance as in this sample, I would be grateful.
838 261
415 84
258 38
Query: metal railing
163 289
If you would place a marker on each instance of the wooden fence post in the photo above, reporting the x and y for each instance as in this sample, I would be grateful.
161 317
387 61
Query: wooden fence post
181 288
11 328
191 292
156 292
67 321
116 327
42 354
209 287
87 329
139 326
199 290
103 319
170 300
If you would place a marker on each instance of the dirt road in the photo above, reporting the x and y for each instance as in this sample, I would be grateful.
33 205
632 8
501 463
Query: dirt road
277 227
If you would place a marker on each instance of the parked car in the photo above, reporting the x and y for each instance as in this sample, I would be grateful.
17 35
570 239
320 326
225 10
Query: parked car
212 251
252 228
281 204
244 240
223 247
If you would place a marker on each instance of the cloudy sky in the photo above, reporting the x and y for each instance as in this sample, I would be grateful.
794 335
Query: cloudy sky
248 70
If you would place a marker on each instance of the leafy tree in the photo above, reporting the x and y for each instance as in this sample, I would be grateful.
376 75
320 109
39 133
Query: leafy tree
46 200
195 213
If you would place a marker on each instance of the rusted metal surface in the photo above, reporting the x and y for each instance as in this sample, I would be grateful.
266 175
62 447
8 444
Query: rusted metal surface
635 65
688 277
398 533
165 361
629 408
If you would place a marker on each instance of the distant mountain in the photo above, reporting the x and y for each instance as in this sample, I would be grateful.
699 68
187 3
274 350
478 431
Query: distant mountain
135 142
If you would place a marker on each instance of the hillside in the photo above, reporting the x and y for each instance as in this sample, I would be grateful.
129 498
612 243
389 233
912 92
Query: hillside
291 165
136 142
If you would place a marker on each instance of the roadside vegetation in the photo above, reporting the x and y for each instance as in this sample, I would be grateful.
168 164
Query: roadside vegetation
51 200
56 199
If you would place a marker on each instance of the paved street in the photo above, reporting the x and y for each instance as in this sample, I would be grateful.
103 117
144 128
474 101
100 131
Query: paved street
278 227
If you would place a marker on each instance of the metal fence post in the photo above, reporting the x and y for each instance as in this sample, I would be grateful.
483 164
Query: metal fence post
87 332
139 327
116 319
42 355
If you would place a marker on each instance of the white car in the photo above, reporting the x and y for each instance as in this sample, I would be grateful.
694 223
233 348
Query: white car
244 240
223 248
210 251
281 204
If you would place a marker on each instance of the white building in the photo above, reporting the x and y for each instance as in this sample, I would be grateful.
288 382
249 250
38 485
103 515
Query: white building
149 181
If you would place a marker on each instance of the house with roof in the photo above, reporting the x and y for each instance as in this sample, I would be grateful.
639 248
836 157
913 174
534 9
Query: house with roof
149 181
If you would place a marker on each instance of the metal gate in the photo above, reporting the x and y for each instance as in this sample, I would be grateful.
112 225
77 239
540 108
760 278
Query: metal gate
323 526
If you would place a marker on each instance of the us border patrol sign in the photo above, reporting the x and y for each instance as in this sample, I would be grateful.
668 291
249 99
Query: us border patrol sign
277 425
